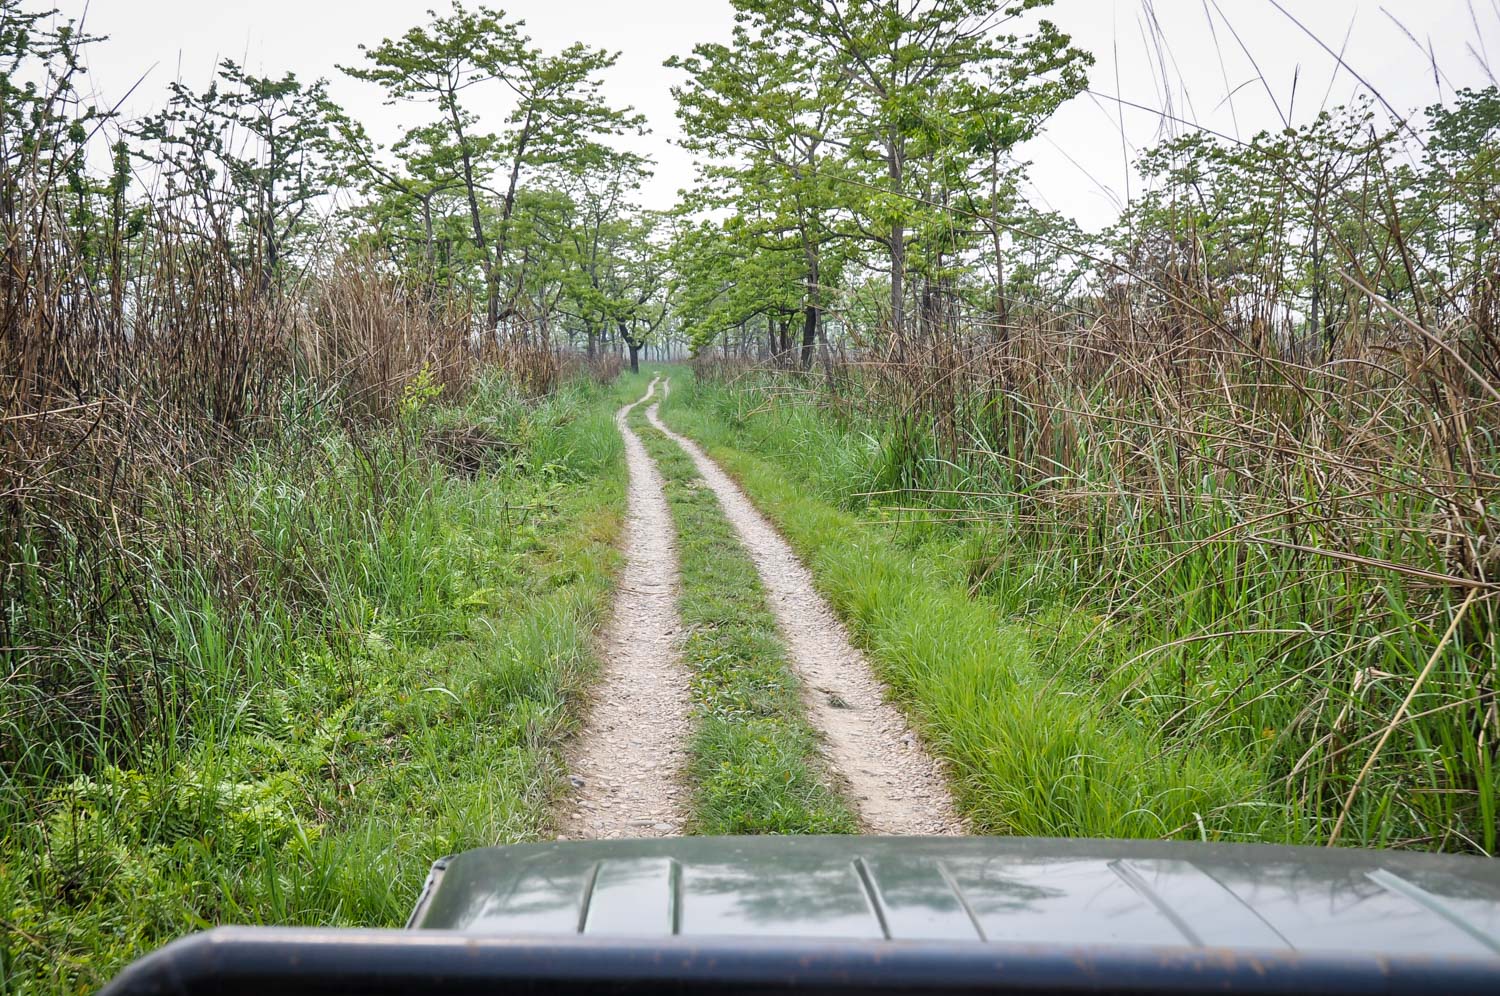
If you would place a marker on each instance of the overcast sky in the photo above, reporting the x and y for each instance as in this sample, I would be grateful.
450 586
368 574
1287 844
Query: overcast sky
1211 77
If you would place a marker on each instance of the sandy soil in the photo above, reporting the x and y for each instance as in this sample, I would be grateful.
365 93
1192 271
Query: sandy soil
895 785
626 765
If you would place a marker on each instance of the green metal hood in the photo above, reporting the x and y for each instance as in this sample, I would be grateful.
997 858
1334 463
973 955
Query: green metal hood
1001 890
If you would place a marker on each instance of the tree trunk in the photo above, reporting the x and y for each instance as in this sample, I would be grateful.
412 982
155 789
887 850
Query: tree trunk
810 311
926 311
116 260
898 257
508 207
491 275
1317 274
1002 303
633 344
270 278
898 282
430 252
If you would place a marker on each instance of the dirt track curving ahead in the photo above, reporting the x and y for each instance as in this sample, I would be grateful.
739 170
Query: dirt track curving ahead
895 786
626 766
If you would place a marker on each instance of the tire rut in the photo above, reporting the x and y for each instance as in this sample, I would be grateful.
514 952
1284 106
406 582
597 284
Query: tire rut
895 785
627 764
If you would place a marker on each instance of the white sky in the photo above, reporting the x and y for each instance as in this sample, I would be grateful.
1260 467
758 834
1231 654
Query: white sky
1079 162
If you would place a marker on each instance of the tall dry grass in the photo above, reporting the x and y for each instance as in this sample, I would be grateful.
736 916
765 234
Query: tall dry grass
1285 561
144 349
1239 522
115 438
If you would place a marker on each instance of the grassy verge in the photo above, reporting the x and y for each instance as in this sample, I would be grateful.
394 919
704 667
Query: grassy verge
755 765
396 696
1031 752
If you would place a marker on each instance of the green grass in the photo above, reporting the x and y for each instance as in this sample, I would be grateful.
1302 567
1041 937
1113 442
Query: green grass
1094 660
1030 751
755 766
396 692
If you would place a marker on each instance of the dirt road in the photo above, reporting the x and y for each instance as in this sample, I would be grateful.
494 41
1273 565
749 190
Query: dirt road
627 765
895 786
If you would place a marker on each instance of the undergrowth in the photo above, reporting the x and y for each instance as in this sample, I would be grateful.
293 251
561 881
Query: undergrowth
1138 674
394 691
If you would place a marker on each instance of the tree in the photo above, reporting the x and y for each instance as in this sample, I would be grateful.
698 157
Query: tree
45 187
599 199
556 109
1454 208
775 107
611 274
639 283
256 150
416 210
723 280
1258 232
934 87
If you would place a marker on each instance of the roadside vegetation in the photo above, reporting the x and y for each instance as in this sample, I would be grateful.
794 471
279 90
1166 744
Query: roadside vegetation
1220 482
1113 679
755 767
299 567
395 690
1027 755
309 485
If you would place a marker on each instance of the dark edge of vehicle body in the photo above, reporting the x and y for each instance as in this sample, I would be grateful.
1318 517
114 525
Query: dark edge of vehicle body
889 915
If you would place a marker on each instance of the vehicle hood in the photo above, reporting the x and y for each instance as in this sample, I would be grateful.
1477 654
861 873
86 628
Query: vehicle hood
976 889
